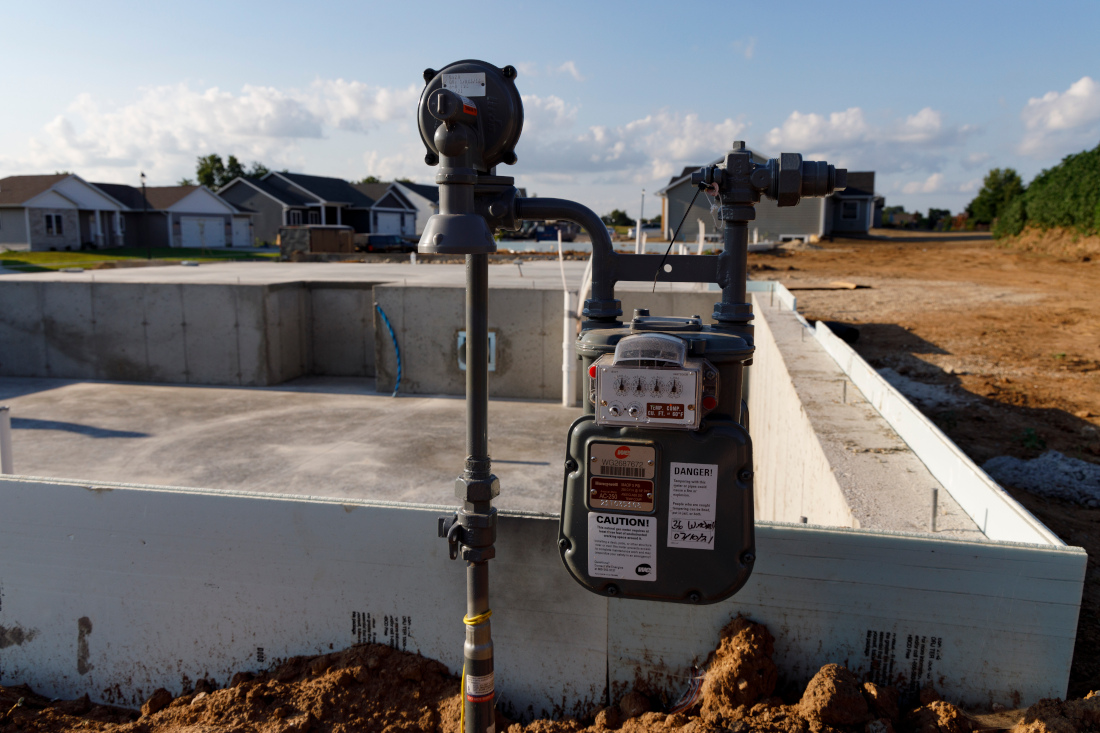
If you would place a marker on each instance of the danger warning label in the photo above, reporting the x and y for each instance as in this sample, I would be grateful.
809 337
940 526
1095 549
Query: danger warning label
622 547
693 493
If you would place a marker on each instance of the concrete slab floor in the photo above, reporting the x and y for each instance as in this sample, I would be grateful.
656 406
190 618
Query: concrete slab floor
326 436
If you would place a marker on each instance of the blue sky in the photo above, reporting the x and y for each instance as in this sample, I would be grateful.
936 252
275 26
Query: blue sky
618 96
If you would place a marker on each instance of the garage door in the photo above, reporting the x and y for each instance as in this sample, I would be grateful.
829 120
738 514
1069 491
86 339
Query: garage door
242 232
388 223
202 231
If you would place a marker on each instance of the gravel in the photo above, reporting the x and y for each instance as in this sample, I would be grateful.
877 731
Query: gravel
1051 474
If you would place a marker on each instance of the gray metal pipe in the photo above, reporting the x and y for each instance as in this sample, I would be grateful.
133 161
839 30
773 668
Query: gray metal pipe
603 254
735 244
477 366
5 440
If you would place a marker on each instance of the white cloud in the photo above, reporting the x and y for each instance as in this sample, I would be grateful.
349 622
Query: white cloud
929 185
814 131
541 114
167 127
527 68
1057 121
570 68
971 186
847 138
654 146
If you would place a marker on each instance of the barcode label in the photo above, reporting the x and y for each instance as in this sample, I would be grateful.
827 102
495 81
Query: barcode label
624 471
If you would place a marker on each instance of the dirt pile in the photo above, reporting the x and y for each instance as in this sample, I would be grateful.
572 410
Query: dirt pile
370 687
1057 242
1056 716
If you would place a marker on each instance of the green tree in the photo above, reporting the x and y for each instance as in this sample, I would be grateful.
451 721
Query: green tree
618 218
210 171
185 182
998 189
369 179
1012 219
233 169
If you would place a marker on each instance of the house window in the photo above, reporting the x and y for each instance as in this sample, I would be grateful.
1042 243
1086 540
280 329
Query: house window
849 210
315 217
54 225
295 218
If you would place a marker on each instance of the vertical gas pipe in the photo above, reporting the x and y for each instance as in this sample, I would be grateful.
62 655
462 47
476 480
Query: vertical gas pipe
457 147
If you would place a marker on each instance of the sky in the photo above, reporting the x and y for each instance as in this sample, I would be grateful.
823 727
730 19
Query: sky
618 97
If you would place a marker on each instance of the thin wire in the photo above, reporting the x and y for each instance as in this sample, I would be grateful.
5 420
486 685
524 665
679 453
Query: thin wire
673 240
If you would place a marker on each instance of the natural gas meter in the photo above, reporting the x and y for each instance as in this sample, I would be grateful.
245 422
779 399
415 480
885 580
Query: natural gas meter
658 501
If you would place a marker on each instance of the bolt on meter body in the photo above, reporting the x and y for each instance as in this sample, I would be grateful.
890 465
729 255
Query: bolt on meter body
657 501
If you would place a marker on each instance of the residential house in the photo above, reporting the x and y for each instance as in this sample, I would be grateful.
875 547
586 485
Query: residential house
850 211
295 199
179 216
853 209
60 212
393 210
424 197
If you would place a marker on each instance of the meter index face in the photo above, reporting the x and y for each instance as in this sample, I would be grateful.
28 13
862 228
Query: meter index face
621 476
654 397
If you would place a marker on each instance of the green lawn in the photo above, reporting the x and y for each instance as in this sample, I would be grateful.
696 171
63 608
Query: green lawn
39 261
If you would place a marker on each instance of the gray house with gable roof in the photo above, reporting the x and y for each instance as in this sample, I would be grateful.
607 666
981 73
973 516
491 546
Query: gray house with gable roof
297 200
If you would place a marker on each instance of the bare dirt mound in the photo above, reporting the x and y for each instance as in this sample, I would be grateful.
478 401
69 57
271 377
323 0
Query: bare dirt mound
373 688
1058 242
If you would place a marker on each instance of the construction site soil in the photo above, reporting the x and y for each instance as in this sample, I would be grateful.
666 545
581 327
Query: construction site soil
374 688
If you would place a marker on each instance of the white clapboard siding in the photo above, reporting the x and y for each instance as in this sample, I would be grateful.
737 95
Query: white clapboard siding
179 583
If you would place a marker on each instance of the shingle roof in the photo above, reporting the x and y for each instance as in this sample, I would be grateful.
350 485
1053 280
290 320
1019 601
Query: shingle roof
288 198
373 191
20 189
427 191
162 197
860 183
128 196
335 190
157 198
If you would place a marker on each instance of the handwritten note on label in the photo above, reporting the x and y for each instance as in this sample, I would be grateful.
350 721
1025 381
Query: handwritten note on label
693 492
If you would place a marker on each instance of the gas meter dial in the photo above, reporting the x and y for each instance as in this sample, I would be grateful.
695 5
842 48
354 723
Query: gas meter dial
659 385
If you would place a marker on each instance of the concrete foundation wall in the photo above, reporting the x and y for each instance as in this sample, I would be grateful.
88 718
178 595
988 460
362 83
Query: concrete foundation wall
528 327
254 335
122 589
794 477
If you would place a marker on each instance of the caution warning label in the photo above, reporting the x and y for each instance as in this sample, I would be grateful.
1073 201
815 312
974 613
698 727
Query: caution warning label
622 547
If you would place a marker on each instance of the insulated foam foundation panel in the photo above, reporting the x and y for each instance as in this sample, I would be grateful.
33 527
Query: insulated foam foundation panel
114 590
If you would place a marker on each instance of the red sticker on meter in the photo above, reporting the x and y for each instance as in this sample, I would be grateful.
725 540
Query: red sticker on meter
620 493
469 109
